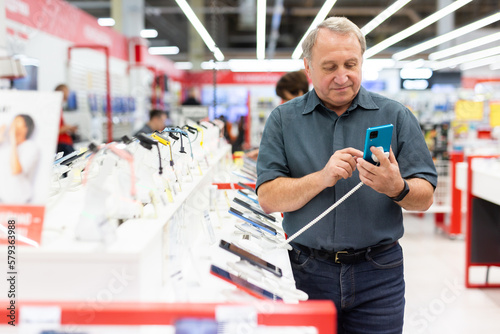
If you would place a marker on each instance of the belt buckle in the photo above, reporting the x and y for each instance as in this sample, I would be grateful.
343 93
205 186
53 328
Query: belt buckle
337 255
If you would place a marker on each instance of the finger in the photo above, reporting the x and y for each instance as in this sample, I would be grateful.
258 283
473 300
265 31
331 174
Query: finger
353 152
392 157
379 154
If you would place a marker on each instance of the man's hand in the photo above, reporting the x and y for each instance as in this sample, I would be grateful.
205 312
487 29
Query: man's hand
340 166
384 178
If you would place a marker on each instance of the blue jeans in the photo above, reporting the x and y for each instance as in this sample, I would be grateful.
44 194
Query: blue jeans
369 296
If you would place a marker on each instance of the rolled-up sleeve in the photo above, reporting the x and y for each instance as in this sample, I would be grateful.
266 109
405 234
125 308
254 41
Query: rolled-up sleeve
272 162
413 156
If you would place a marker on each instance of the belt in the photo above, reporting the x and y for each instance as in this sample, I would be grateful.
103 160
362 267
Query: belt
346 256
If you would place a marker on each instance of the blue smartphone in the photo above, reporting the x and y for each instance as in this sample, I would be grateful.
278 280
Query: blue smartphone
253 221
378 136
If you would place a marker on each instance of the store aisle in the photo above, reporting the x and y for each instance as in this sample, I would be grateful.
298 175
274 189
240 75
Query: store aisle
436 298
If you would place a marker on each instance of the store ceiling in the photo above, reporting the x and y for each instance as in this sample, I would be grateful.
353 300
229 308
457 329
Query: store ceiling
232 23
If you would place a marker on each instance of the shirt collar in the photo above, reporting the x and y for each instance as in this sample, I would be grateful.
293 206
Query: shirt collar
363 100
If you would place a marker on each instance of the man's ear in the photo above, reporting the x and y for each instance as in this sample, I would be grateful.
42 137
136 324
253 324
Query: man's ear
306 67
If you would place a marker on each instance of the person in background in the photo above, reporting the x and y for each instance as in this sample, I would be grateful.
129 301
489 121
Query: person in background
288 87
292 85
191 99
65 140
311 156
157 120
19 158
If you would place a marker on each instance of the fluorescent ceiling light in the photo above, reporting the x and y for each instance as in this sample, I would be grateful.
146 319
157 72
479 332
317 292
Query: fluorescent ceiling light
452 62
495 66
183 65
106 21
205 36
265 65
163 50
446 37
379 64
480 62
383 16
464 46
210 65
415 73
322 14
261 29
415 28
149 33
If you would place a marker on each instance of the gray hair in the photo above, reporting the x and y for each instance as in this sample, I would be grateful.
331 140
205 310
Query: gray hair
340 25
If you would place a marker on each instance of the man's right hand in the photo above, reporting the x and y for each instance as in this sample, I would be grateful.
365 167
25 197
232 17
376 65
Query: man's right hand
341 165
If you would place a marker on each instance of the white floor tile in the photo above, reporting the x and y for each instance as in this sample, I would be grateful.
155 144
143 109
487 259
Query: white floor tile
436 298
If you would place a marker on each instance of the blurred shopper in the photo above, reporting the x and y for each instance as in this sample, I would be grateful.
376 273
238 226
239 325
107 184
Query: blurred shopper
292 85
191 99
157 120
65 139
311 156
288 87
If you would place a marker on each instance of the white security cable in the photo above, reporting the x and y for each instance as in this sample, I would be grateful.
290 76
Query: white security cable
315 220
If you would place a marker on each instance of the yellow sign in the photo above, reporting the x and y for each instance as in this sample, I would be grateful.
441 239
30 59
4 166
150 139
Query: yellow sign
469 110
494 114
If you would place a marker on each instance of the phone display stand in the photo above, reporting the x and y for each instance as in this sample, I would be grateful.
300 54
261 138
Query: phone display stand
267 281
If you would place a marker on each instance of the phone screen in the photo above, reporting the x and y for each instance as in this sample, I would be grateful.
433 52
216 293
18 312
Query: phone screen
241 184
378 136
248 219
253 209
253 259
251 196
242 283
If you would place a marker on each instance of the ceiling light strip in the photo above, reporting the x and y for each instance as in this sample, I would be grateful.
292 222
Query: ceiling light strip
447 37
261 29
480 62
377 20
415 28
322 14
452 62
205 36
464 46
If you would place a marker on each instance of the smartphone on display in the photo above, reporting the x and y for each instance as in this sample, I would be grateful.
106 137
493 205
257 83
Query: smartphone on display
378 136
253 221
243 284
253 259
254 209
250 196
247 187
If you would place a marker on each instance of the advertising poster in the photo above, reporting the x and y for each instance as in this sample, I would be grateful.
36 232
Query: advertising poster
29 125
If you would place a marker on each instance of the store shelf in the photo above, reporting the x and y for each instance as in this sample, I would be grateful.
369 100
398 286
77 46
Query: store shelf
128 269
318 314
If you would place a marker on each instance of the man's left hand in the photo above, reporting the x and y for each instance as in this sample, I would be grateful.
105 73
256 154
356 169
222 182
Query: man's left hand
384 178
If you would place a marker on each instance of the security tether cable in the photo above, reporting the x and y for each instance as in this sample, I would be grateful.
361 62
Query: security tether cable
321 215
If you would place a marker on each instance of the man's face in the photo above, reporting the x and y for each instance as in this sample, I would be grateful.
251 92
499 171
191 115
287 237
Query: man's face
335 69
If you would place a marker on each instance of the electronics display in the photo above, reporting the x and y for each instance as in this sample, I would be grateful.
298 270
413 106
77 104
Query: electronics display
380 137
253 259
242 283
248 195
247 187
254 209
252 221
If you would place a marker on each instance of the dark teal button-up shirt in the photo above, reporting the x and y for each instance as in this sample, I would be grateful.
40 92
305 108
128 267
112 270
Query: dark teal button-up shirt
299 138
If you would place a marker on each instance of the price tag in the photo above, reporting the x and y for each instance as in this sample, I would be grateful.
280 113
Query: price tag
235 318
